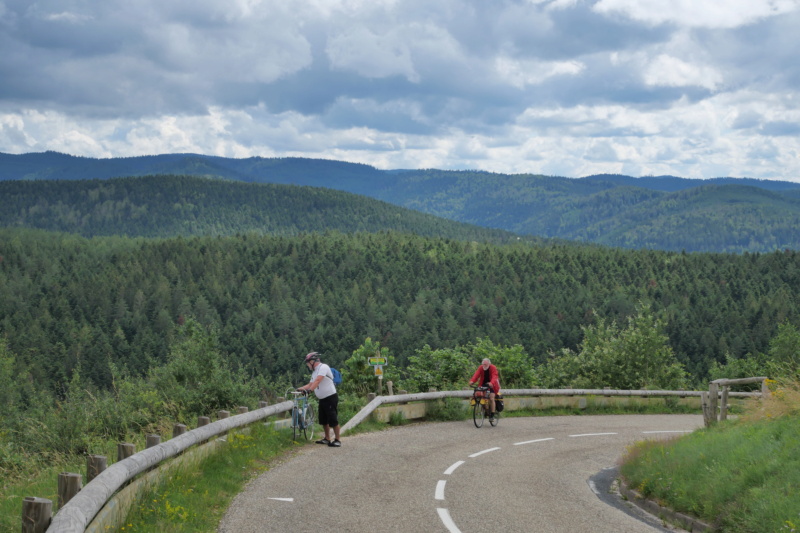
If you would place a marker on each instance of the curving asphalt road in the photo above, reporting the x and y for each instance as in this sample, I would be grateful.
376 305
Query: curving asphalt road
532 474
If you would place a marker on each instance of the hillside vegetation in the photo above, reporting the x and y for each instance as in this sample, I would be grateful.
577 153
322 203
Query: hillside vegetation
67 301
664 212
170 206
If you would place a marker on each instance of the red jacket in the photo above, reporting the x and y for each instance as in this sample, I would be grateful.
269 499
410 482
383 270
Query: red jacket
494 377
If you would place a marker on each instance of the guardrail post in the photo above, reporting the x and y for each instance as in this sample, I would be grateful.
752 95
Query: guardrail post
713 401
764 389
389 386
262 404
371 396
36 514
69 485
152 440
95 464
125 450
400 393
723 408
223 414
203 421
706 410
242 410
178 429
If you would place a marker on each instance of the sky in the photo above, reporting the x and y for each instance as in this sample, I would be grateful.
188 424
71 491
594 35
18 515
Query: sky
689 88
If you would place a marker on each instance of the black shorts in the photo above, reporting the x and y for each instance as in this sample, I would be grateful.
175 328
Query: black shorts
329 411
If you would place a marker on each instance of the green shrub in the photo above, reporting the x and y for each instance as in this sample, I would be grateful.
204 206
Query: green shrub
637 356
444 369
397 419
447 409
197 379
358 377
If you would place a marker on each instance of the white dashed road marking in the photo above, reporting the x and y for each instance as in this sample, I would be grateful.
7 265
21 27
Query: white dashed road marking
282 499
444 515
484 451
532 441
440 489
453 467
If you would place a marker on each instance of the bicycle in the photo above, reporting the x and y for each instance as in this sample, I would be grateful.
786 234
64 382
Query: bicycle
303 416
481 407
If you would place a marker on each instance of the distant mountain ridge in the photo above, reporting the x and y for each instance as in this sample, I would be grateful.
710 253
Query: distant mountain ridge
662 212
163 206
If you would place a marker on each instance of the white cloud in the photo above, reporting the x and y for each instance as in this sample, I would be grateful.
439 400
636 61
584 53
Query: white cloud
372 55
520 73
673 72
550 86
67 16
693 13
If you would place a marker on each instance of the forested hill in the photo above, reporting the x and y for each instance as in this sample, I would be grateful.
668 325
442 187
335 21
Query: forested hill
67 301
169 206
663 212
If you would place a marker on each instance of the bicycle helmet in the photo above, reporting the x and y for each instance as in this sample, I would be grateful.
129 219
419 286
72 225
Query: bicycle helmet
313 356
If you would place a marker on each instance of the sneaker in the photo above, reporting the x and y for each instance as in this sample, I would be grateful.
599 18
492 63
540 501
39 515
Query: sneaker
335 444
323 441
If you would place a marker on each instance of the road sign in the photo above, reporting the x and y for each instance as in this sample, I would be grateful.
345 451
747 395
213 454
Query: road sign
377 361
379 371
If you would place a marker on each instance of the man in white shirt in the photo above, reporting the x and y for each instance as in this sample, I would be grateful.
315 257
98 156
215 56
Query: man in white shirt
324 388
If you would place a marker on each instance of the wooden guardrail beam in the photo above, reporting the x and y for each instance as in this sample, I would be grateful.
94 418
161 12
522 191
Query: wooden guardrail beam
738 381
76 515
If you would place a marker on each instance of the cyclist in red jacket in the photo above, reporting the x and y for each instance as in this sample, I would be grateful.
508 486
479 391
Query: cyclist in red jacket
487 376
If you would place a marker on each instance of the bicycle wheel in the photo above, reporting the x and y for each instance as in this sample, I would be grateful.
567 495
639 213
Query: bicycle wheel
477 414
495 419
295 423
309 420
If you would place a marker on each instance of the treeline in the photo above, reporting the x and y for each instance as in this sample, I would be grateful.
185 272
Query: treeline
69 302
169 206
723 215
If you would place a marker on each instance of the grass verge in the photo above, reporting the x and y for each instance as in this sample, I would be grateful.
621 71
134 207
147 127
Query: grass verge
196 499
740 475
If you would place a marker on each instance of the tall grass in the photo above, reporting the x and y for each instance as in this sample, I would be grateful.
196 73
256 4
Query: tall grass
741 475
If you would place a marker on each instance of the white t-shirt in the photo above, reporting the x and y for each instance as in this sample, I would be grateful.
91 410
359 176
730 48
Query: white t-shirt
326 387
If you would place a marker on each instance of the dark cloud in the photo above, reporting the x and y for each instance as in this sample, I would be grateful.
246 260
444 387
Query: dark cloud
499 84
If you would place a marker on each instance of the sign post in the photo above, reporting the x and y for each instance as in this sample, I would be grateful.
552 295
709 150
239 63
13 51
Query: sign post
377 363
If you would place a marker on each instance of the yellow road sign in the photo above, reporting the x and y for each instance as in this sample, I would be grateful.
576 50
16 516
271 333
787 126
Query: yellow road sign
377 361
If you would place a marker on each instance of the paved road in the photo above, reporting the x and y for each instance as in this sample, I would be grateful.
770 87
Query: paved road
525 475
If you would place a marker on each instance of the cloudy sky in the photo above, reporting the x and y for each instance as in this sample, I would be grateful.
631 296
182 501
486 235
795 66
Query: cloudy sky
693 88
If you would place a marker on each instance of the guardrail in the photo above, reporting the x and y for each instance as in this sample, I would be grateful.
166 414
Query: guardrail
710 413
78 512
437 395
